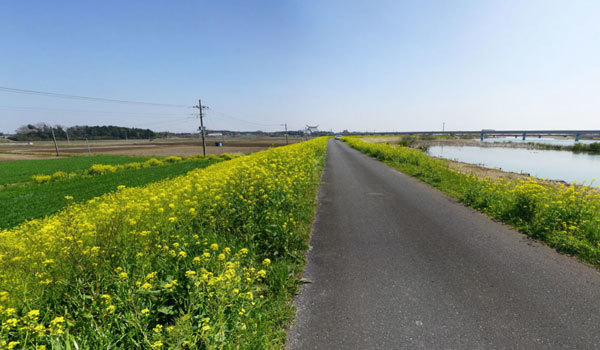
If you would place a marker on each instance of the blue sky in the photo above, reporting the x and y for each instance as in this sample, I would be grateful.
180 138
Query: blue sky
356 65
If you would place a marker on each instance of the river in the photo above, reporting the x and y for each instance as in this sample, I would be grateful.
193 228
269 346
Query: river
545 140
553 165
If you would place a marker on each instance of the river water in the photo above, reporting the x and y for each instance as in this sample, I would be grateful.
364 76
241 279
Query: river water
546 140
553 165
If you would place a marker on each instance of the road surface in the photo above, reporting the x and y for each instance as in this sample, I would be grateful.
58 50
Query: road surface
396 264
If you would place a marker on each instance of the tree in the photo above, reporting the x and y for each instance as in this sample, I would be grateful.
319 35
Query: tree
42 131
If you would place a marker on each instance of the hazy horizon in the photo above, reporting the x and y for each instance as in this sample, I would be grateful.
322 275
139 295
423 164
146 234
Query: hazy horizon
376 66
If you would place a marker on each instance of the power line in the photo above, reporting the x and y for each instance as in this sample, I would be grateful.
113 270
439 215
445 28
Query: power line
176 121
44 109
86 98
102 99
242 120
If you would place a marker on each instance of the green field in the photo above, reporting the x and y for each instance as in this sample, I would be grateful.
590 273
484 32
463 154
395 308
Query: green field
30 201
21 170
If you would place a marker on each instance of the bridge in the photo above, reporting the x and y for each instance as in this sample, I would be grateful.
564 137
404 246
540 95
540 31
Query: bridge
577 134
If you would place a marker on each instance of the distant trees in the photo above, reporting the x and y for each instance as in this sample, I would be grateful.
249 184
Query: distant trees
39 131
112 132
43 131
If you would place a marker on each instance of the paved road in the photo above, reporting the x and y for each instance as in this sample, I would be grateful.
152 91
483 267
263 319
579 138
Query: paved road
395 264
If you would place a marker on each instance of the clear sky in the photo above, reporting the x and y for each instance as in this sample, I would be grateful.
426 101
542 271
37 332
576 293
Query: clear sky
356 65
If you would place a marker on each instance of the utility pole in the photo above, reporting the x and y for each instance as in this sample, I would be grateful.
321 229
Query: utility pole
286 133
200 107
67 133
54 138
88 146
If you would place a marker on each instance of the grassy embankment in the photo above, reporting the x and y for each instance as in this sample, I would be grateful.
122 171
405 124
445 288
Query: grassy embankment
203 261
566 217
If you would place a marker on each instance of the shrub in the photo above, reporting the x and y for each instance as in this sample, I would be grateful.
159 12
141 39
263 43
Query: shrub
100 169
133 165
40 179
173 159
59 175
152 162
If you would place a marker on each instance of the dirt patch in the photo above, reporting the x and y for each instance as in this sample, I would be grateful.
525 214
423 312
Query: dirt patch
178 151
163 147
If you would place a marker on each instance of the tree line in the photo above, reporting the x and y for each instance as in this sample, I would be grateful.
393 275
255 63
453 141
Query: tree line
43 131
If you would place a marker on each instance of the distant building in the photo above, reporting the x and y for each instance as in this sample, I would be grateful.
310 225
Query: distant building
215 134
311 129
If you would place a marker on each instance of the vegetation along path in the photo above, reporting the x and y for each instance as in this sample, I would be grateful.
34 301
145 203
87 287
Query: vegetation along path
395 264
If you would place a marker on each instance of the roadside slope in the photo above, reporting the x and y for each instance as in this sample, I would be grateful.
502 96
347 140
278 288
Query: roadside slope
396 264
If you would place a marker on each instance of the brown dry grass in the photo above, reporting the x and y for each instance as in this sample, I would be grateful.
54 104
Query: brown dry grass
6 157
482 172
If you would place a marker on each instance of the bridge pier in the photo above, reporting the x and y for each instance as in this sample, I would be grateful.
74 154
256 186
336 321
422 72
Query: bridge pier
577 136
524 135
481 139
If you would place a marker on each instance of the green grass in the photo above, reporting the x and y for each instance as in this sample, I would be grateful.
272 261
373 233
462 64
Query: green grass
31 201
21 170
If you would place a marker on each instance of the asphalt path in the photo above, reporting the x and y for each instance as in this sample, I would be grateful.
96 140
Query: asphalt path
395 264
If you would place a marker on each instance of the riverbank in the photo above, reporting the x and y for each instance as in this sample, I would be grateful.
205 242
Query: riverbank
566 217
479 171
424 143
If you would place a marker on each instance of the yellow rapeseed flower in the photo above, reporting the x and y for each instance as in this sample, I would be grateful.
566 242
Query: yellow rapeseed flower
33 314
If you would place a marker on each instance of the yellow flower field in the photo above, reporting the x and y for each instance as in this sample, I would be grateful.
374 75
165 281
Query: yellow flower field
205 260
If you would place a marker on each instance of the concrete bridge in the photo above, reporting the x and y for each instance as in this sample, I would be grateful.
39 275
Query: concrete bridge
577 134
